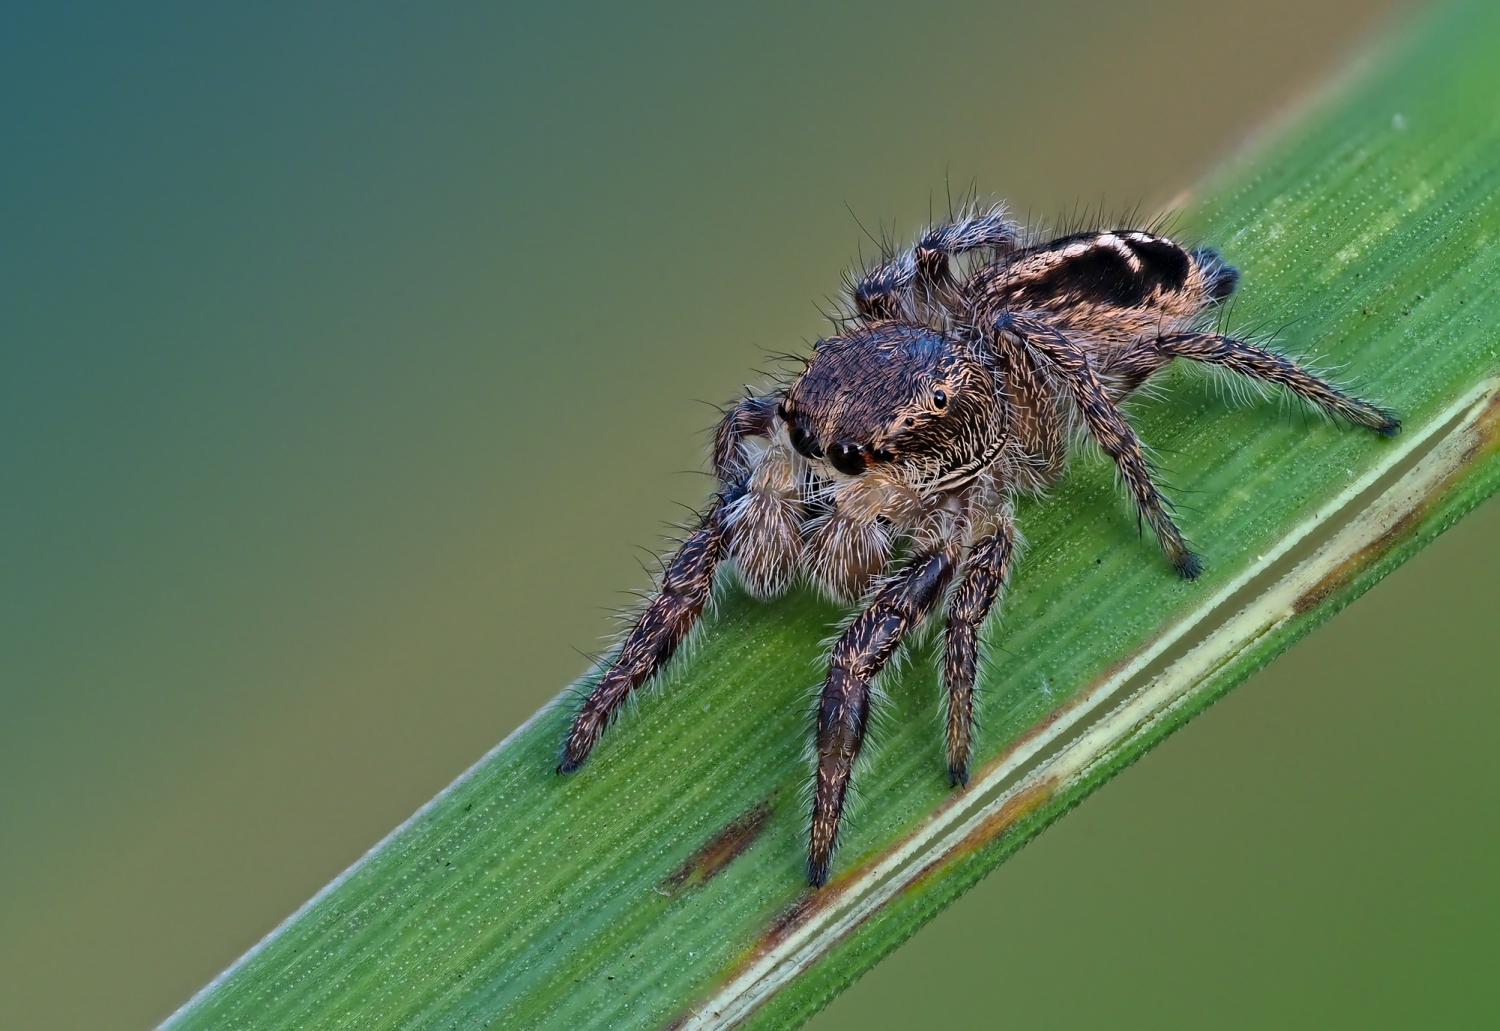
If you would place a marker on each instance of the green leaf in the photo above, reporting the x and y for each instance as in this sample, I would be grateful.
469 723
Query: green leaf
663 885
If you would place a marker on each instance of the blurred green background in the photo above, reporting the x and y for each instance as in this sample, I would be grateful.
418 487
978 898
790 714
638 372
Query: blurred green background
350 355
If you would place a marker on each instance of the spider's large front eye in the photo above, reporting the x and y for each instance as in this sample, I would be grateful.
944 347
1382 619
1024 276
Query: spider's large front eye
940 398
802 442
848 459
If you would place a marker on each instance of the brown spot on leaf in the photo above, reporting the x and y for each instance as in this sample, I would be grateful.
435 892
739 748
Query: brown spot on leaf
1486 429
1346 570
721 849
1016 809
788 919
1479 440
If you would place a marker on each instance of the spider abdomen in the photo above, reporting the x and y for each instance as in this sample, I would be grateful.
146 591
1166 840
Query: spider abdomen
1115 270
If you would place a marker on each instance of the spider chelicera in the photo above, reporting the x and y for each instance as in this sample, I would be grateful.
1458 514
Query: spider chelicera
951 387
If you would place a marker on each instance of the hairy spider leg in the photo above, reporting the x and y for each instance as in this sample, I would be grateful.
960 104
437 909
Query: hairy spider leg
685 588
844 706
1108 426
884 290
1138 363
1039 452
672 612
976 231
985 573
750 417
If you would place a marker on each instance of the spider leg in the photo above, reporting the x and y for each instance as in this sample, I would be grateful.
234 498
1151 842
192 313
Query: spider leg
984 575
672 612
844 707
1032 407
685 588
884 292
975 231
1257 363
750 417
1107 424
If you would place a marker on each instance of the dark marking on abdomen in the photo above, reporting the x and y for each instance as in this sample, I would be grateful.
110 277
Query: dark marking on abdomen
1163 263
1099 275
1118 269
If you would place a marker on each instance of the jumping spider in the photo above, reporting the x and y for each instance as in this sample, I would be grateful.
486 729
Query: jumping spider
950 387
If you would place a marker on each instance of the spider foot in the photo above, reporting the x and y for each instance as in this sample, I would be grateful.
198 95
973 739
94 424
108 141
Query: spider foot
1187 564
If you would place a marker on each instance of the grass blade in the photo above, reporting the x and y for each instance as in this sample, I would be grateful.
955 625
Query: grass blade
663 885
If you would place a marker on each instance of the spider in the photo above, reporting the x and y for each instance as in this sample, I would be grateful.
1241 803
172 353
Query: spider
886 472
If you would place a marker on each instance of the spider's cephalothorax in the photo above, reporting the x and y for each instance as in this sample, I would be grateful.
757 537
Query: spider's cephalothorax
946 392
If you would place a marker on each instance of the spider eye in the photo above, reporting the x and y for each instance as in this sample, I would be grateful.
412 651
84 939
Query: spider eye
940 398
802 442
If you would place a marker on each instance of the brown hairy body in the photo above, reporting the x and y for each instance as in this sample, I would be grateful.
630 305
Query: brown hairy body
944 394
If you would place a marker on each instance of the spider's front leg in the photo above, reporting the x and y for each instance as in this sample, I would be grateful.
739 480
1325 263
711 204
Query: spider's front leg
1106 424
844 706
685 588
985 572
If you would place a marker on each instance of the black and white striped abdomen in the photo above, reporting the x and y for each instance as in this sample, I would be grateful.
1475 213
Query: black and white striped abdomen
1123 268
